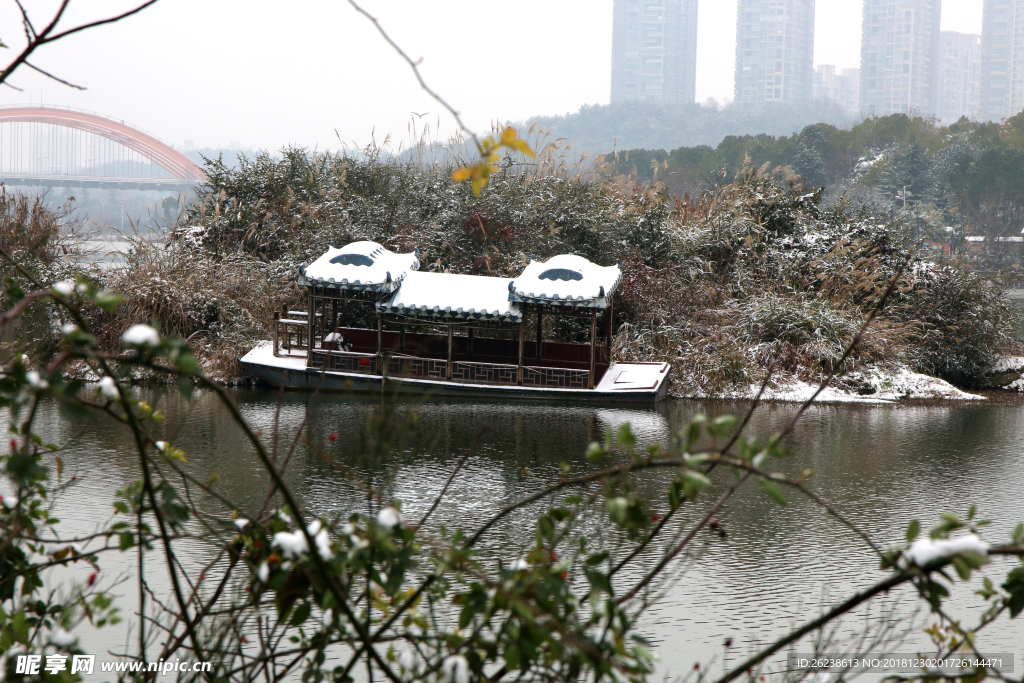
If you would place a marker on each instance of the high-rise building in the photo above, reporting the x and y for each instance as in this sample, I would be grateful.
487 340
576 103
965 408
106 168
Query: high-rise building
774 51
654 50
960 81
1002 59
900 57
842 88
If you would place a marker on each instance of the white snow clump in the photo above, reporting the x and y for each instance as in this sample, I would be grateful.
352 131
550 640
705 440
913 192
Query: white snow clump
64 287
241 522
35 381
62 638
323 542
519 565
409 661
108 387
926 550
69 328
141 335
263 572
455 670
291 543
388 518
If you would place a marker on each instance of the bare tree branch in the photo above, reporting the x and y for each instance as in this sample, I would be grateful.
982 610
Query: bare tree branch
50 75
415 66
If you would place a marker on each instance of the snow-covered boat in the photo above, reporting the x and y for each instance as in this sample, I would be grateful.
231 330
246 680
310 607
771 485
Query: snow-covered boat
440 333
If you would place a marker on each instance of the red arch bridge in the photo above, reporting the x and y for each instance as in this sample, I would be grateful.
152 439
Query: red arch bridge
59 147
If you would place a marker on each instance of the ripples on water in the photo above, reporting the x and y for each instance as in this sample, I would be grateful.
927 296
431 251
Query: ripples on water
881 466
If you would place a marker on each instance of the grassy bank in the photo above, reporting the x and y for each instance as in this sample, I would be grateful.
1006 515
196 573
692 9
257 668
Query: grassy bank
757 272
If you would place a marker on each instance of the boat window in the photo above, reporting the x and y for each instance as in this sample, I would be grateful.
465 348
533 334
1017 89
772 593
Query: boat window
560 274
352 260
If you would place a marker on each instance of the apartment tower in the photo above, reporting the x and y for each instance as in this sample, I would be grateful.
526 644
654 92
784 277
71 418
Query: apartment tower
900 57
843 88
961 76
1002 59
774 51
654 50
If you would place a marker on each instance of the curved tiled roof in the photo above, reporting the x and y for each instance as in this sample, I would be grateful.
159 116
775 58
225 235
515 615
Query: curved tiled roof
566 280
360 266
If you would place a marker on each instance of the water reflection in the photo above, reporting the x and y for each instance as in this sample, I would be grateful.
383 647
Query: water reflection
882 466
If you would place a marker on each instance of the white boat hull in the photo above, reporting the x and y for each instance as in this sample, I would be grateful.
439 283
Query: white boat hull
623 382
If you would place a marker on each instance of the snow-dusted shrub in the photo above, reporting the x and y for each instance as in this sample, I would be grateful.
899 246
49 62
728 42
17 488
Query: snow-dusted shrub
775 326
758 273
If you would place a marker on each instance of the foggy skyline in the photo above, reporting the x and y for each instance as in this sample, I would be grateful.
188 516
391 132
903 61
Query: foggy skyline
266 77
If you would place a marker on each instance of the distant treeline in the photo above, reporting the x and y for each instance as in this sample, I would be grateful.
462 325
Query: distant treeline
962 179
655 125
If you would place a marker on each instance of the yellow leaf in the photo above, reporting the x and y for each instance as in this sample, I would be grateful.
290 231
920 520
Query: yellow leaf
462 174
477 184
509 136
521 146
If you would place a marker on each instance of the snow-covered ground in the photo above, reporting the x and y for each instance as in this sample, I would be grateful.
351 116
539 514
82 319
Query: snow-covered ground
888 387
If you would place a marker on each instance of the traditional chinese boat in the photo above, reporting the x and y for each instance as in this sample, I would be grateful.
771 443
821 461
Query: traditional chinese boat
442 333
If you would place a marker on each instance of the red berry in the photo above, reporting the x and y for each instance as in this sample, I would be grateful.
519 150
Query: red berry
565 575
333 437
364 361
14 444
696 667
553 557
248 589
656 517
74 477
244 639
92 578
762 678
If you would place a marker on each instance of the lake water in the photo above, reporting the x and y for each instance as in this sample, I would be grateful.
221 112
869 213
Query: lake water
882 466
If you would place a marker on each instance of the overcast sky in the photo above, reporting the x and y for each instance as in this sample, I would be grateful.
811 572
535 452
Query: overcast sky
267 73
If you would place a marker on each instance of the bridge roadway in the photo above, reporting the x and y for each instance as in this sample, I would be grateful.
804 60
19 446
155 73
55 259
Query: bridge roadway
98 182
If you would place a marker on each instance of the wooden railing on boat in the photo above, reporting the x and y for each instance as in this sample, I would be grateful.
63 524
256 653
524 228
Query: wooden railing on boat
456 358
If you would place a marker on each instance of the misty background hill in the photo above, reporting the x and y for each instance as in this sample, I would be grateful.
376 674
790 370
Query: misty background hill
602 128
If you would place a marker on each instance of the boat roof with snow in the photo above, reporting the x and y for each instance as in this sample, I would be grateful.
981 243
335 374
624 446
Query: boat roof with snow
450 297
566 280
359 266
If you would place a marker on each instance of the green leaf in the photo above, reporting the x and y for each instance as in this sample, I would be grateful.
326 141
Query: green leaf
722 425
597 559
691 432
626 437
963 569
127 540
1018 535
121 507
512 657
301 614
595 453
19 627
1015 587
598 581
693 483
772 490
913 531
